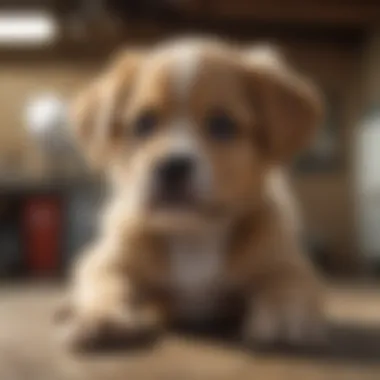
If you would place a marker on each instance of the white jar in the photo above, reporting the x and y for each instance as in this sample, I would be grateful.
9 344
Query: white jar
367 176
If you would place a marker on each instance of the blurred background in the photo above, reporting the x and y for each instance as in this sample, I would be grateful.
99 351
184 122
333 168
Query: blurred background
50 48
49 200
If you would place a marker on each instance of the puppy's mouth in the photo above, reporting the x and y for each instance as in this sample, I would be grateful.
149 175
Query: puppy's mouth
178 199
180 214
186 204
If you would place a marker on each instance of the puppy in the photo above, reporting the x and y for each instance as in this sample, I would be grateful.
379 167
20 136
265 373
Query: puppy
193 135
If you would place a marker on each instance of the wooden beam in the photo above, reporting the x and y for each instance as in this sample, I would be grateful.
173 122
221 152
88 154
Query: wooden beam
338 12
29 4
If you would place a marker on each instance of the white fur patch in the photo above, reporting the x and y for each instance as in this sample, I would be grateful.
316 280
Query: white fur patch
185 66
184 142
265 56
182 139
182 60
196 270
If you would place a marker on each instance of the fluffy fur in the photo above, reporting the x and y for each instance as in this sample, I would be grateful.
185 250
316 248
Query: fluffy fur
238 245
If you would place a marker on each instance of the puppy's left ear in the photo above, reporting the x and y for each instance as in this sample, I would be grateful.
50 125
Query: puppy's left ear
288 107
93 117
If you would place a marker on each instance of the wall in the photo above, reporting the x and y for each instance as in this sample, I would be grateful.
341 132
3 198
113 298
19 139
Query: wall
326 197
367 154
20 81
371 69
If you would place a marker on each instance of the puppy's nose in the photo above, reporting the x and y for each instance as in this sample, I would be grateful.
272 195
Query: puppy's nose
175 170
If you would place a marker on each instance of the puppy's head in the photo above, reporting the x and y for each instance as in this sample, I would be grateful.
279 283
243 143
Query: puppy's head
190 127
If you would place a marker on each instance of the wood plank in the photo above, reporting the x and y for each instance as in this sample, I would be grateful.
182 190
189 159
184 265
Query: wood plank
350 13
28 349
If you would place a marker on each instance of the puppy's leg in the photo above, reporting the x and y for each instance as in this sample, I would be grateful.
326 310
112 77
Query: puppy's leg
104 306
285 311
283 293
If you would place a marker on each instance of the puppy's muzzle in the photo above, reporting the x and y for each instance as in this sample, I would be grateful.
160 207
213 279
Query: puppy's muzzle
174 176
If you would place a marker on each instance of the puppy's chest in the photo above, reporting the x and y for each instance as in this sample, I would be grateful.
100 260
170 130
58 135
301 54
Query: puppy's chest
196 272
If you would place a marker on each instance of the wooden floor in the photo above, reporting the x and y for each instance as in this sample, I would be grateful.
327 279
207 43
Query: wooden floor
29 351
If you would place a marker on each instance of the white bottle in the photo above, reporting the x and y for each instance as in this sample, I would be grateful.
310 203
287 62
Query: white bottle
367 177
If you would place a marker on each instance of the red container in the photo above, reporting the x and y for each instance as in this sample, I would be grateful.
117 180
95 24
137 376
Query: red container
43 231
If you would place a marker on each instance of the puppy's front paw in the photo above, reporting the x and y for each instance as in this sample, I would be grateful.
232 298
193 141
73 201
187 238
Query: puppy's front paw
293 323
104 329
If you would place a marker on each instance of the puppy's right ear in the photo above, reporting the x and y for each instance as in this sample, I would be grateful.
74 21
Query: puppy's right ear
93 116
288 106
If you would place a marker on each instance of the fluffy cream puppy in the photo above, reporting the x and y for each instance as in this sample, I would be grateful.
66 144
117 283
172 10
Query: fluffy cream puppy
193 135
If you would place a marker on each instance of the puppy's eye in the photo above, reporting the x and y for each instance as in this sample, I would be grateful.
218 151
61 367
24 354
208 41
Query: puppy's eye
221 126
145 124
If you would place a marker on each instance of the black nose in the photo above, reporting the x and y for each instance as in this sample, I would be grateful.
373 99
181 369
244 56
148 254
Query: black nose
175 170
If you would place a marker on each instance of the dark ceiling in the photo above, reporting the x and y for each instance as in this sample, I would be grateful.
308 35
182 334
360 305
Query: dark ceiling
328 21
339 12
